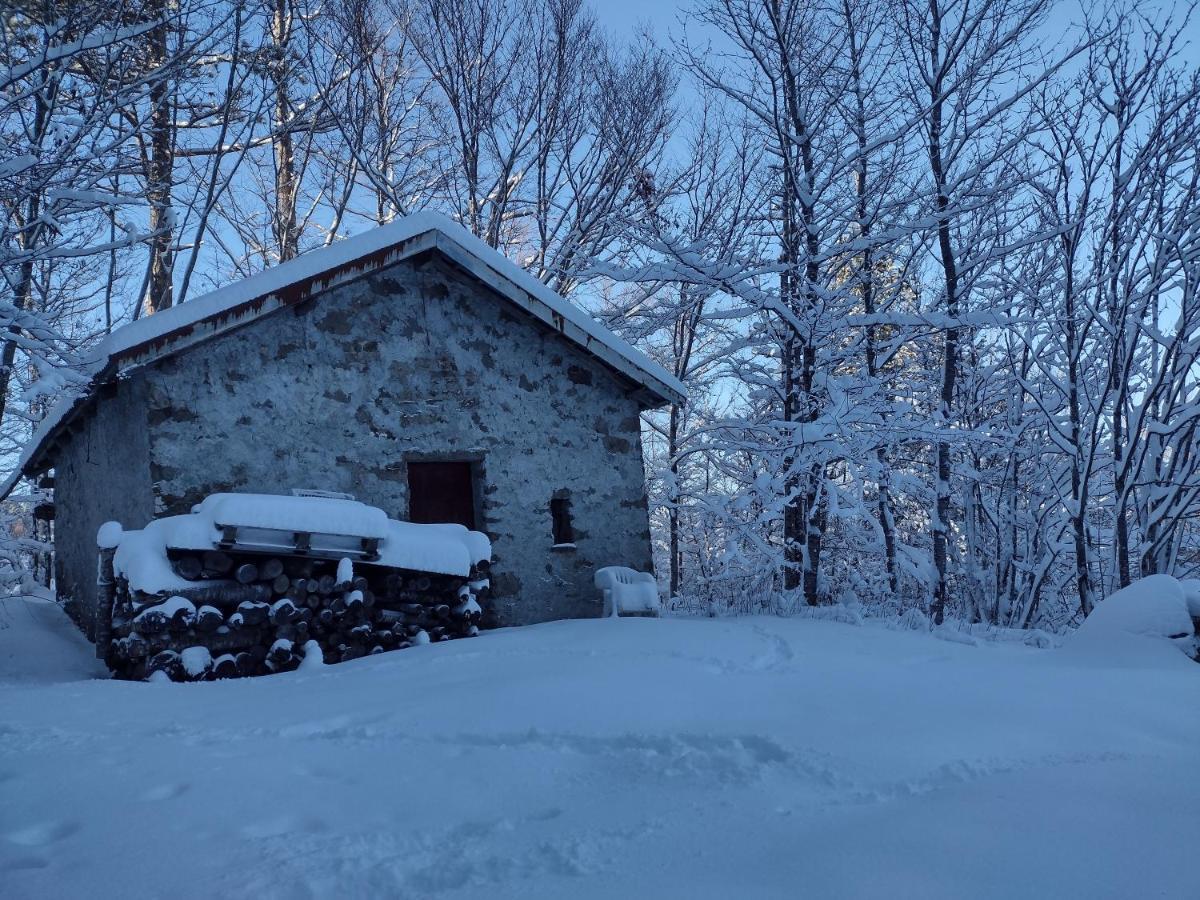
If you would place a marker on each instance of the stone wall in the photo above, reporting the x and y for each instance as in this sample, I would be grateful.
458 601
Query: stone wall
415 361
102 474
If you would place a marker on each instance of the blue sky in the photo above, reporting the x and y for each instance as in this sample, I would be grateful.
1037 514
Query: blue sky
630 15
627 16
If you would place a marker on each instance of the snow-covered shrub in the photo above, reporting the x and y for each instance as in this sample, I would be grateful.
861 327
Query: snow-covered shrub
1154 608
1191 593
24 548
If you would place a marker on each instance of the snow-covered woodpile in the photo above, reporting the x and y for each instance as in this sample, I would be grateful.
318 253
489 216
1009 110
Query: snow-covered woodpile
255 584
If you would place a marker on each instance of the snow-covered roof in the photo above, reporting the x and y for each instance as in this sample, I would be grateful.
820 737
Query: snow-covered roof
145 340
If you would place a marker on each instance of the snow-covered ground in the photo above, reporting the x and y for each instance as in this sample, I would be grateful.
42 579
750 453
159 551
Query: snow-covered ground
610 758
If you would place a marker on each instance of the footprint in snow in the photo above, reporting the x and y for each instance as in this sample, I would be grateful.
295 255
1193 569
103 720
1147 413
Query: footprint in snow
324 773
43 833
282 825
163 792
20 863
778 654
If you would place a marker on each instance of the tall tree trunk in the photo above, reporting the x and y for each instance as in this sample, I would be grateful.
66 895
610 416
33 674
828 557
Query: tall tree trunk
866 277
1118 317
794 531
284 224
1120 490
21 300
806 497
673 511
160 169
1079 485
949 263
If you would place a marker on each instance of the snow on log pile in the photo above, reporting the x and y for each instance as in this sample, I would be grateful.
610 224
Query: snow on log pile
292 579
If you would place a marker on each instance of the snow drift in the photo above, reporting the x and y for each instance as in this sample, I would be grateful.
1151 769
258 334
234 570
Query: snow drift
757 757
1150 615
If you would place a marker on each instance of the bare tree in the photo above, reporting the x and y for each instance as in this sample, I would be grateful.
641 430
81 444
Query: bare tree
379 158
972 67
62 153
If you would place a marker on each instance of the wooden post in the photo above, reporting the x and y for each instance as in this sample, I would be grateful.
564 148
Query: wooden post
105 591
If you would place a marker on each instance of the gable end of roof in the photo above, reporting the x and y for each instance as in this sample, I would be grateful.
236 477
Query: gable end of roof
303 279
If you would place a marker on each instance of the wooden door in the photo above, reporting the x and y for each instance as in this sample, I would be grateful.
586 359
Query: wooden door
440 492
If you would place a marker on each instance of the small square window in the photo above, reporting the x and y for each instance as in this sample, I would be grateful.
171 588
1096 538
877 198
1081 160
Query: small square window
560 517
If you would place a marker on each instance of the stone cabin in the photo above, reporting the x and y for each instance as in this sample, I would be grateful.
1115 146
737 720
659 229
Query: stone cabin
412 367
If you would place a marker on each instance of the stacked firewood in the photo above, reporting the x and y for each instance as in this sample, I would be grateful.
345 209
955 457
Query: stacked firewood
251 614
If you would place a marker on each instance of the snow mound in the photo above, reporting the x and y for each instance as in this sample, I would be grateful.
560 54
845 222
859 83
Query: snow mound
1152 610
196 661
1155 606
288 513
141 555
109 535
313 657
178 609
1191 592
949 632
40 645
449 549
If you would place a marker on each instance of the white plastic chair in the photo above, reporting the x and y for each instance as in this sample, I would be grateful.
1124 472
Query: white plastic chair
627 592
